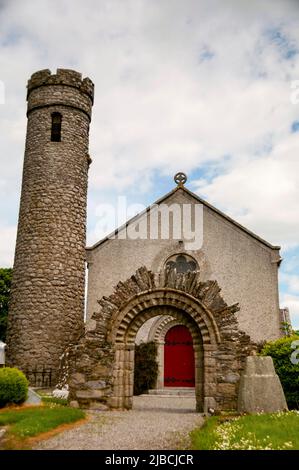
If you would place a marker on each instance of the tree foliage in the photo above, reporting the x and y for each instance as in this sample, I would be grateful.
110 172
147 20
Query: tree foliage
285 355
146 367
5 284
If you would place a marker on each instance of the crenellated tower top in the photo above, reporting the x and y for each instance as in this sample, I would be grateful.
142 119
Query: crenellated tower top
47 89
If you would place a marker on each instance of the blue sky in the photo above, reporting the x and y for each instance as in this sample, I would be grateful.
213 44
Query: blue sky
198 86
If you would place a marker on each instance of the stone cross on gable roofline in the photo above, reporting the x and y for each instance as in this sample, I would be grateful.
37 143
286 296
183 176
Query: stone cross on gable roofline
180 178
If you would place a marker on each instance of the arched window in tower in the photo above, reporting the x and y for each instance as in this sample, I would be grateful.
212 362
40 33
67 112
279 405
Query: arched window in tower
181 264
56 127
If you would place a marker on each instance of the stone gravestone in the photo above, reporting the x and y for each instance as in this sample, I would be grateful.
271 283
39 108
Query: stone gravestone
2 354
260 390
33 398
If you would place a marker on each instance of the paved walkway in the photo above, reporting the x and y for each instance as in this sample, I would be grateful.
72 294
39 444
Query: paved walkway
154 423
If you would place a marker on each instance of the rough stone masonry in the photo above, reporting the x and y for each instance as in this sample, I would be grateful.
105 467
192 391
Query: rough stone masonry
47 296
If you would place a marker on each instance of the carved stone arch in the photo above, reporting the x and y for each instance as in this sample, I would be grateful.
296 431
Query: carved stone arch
163 297
178 316
164 326
156 325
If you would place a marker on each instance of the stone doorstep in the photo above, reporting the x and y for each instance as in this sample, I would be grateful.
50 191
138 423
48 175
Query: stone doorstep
171 392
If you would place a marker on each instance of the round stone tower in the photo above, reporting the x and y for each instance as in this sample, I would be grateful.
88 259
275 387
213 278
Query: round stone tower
47 295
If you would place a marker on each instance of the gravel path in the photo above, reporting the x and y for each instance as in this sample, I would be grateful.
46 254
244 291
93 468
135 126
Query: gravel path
154 423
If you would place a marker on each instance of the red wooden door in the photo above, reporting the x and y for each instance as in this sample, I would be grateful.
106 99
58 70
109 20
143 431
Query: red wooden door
178 358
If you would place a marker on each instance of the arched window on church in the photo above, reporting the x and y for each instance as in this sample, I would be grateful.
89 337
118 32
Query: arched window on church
181 264
56 127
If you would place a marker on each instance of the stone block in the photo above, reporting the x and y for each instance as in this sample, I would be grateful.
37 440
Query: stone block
209 362
209 406
74 404
226 389
114 402
90 394
77 379
96 384
91 325
232 377
210 389
260 389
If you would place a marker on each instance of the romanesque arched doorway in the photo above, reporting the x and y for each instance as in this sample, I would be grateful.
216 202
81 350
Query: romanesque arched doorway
179 364
101 365
167 303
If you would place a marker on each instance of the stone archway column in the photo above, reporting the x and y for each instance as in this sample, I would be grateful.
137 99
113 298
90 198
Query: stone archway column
209 382
160 360
123 375
116 399
129 358
199 376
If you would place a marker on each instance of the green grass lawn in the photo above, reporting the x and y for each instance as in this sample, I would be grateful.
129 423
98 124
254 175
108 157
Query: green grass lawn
279 431
56 401
24 423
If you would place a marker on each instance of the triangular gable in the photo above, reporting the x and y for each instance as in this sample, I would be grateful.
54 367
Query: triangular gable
197 199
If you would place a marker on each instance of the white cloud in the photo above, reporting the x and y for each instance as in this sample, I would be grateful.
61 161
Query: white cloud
179 85
7 245
293 261
292 281
262 193
158 104
292 302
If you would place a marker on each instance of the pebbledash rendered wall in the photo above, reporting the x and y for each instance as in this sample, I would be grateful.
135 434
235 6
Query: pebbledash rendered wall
47 296
245 267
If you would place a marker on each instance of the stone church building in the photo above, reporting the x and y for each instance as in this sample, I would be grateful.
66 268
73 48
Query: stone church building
207 301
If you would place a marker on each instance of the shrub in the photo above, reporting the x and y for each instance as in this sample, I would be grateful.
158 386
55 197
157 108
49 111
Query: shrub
5 283
146 367
280 351
13 386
